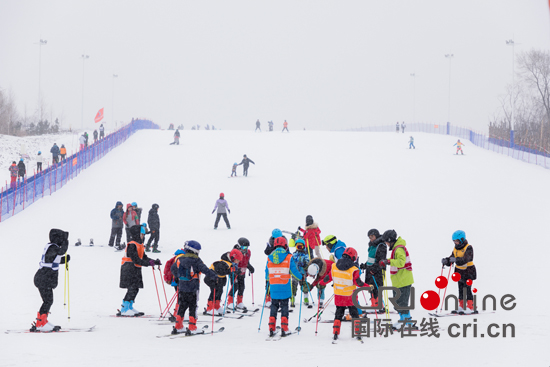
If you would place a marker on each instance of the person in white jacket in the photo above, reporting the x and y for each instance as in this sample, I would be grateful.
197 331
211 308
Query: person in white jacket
82 141
39 161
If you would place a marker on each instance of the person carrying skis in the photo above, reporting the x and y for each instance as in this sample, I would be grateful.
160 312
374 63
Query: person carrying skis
246 162
130 271
154 225
377 252
279 268
21 169
345 276
411 143
311 236
47 276
223 267
463 258
117 224
223 209
130 218
459 145
301 259
242 245
400 273
234 169
189 268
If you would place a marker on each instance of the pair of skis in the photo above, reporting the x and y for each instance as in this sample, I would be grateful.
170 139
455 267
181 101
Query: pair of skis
202 331
278 335
63 330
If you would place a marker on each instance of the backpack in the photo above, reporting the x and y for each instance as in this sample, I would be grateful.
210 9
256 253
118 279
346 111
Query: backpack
168 270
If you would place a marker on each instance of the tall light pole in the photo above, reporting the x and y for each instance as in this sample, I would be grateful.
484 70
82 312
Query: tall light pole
84 57
450 57
40 44
414 95
512 43
113 106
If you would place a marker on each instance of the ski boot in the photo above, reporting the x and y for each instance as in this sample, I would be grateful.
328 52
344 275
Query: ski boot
284 325
218 309
460 309
126 311
78 243
147 249
240 305
156 250
209 308
178 328
272 329
192 328
43 325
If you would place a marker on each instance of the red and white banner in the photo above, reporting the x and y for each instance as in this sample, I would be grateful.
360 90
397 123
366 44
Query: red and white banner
99 116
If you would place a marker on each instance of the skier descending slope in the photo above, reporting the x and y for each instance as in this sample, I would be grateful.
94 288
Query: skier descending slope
345 276
223 208
459 145
46 277
463 258
280 266
130 271
189 268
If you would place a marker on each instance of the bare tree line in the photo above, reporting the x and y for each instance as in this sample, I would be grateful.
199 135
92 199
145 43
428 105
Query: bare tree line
527 104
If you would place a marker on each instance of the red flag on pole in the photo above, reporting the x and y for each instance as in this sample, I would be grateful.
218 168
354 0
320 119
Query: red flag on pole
99 116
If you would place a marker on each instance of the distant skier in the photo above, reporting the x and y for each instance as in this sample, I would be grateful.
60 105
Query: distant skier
117 225
459 145
13 174
258 126
411 143
82 141
463 258
397 127
154 225
46 277
311 236
39 161
403 126
223 208
285 126
270 123
176 138
101 131
55 153
86 136
95 136
63 152
130 219
234 169
22 170
246 162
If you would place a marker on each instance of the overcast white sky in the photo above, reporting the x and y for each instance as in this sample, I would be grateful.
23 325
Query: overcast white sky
317 64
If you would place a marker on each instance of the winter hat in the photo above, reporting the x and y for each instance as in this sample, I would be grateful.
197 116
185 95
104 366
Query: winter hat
373 232
135 232
13 162
143 228
39 153
118 203
309 220
300 244
21 160
321 266
58 236
245 154
276 233
155 206
192 246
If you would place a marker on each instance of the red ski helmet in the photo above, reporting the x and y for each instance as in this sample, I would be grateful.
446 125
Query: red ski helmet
222 194
350 251
235 256
280 242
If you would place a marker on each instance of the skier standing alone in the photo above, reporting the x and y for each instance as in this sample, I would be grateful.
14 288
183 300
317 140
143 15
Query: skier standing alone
458 145
154 223
411 143
246 162
223 208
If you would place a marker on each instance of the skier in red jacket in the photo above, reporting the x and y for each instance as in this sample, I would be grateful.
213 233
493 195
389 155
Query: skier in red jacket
311 236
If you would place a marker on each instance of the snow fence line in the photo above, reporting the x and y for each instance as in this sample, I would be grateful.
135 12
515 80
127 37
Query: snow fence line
501 146
14 199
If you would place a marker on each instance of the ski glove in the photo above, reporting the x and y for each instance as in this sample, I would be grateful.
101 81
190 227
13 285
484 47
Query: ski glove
213 211
445 261
151 262
363 266
251 269
452 260
384 263
229 211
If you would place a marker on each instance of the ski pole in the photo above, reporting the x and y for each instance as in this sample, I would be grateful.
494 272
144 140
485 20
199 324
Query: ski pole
225 304
445 293
322 309
317 322
213 312
65 286
300 313
252 275
168 306
164 289
385 295
439 289
68 290
155 278
233 289
263 307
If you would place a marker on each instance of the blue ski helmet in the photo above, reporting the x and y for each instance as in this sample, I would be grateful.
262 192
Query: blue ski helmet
143 228
134 204
276 233
192 246
459 235
39 152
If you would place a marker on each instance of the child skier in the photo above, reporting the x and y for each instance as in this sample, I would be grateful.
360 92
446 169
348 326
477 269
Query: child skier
234 170
463 258
279 268
130 271
401 273
46 277
171 277
301 259
411 143
222 268
242 245
189 268
345 276
223 208
269 248
373 272
311 236
458 145
335 247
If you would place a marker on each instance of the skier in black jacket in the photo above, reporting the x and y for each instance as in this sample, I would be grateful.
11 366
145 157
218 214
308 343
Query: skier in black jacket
117 225
373 273
246 162
154 227
46 277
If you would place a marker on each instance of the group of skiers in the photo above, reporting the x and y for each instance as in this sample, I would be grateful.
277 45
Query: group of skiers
270 126
245 163
132 217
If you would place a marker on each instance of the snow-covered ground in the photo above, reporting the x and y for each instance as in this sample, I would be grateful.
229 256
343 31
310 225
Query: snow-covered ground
349 182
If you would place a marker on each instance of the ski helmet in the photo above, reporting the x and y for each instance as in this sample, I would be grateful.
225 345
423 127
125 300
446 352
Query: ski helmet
243 242
313 270
235 256
222 194
350 251
39 152
330 241
192 246
155 206
134 204
373 232
280 242
459 235
143 228
300 244
276 233
309 220
389 236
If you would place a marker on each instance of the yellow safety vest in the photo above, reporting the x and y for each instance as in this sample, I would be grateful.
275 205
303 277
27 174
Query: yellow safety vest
343 281
460 253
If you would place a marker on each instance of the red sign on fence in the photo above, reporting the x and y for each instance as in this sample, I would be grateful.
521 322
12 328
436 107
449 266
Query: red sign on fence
74 161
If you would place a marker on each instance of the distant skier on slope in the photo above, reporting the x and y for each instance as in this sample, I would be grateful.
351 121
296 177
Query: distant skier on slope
258 126
234 169
246 162
223 208
459 145
411 143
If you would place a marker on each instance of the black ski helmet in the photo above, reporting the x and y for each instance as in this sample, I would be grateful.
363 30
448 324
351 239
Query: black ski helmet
155 206
243 242
373 232
309 220
390 236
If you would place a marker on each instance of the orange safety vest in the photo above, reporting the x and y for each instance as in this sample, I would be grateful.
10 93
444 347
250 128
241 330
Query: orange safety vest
228 264
279 273
140 251
343 280
62 151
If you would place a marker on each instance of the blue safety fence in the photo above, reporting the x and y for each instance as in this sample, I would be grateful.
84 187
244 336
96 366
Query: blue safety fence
19 195
501 146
